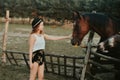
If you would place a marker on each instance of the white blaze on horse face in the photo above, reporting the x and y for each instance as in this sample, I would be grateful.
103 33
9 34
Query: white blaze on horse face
102 46
111 42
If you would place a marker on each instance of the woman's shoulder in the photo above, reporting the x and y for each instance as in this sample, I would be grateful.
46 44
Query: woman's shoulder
33 35
45 35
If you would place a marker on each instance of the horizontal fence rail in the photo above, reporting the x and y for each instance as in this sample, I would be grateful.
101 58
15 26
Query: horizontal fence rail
69 66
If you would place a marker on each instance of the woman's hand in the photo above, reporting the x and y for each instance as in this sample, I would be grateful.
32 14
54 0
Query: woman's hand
50 37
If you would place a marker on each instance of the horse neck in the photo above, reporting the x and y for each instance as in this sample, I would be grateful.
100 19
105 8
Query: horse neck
102 33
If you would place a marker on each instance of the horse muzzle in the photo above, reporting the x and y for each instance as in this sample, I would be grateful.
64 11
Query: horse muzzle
75 42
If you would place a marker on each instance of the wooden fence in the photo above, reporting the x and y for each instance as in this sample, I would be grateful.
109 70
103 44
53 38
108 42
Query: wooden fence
68 66
89 62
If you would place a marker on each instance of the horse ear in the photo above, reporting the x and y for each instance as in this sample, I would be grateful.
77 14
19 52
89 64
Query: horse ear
76 15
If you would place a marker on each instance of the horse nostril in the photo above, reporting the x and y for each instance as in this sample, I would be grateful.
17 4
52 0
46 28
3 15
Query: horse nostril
79 43
72 42
75 42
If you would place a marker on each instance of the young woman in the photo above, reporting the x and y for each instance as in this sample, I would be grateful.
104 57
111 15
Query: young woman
36 48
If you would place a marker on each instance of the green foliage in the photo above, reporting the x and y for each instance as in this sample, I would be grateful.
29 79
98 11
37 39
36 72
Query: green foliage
58 9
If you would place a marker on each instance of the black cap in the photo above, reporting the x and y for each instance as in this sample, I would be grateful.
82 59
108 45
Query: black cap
36 21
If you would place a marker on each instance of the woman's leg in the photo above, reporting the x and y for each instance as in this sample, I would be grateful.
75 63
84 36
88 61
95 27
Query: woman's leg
41 72
33 71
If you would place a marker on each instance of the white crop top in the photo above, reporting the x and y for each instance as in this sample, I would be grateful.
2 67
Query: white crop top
39 42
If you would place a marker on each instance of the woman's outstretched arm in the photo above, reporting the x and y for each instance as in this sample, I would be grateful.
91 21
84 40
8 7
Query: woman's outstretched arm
50 37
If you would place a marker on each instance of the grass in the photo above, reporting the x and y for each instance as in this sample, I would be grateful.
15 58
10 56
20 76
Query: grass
10 72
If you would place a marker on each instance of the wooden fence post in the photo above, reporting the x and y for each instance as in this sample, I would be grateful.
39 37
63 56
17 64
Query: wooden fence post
87 56
5 36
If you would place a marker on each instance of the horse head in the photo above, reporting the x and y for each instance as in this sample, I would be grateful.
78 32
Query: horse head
80 28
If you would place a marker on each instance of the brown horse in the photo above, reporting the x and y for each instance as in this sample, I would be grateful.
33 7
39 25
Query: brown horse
103 25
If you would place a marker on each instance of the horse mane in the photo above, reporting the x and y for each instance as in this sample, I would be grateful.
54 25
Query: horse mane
101 19
116 21
96 19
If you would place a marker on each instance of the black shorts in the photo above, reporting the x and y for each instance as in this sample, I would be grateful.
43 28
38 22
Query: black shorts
38 56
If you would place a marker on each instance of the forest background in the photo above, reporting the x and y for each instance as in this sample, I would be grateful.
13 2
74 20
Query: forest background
58 9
